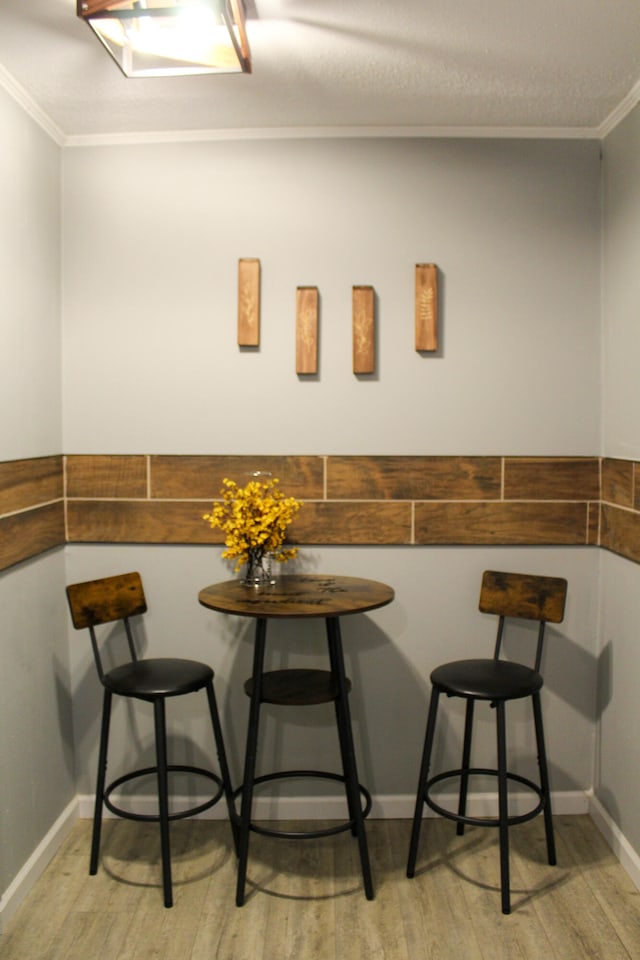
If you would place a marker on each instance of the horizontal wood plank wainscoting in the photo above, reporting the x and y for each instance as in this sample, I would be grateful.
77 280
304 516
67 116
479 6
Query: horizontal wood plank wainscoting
367 500
31 508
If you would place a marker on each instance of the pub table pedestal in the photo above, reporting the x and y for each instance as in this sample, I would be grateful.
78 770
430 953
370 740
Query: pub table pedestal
300 596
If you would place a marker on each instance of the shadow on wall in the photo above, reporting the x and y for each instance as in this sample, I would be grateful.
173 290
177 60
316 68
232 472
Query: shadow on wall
65 720
570 671
386 696
88 691
388 701
575 675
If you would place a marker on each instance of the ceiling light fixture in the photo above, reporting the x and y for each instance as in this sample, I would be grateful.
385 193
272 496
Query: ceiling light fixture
165 38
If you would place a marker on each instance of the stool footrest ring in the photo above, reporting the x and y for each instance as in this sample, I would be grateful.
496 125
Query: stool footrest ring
152 771
483 821
341 827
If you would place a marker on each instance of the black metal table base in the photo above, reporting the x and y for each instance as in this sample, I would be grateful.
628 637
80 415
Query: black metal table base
353 789
340 827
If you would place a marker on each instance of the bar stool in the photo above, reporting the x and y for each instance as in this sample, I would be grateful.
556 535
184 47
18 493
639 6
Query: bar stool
120 598
507 595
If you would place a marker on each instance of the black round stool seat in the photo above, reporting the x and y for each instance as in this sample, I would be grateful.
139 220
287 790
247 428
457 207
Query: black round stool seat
486 679
161 677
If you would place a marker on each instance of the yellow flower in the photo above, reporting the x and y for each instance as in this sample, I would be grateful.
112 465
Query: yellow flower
254 519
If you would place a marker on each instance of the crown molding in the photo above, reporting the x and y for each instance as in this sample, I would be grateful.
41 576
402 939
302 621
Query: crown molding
333 133
621 111
30 107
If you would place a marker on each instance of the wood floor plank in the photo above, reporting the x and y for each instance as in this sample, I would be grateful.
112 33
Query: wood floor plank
474 861
519 934
305 899
443 874
612 887
235 933
371 928
579 928
301 912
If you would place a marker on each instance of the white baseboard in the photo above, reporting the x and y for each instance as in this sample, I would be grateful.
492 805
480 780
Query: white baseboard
621 847
479 804
147 805
37 863
390 807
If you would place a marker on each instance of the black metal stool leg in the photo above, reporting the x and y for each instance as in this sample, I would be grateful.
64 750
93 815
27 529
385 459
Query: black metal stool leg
344 755
466 758
222 760
100 782
163 798
250 759
342 739
544 779
503 807
351 771
422 780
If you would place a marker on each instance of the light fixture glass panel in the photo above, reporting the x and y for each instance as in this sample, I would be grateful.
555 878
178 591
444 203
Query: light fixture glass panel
160 38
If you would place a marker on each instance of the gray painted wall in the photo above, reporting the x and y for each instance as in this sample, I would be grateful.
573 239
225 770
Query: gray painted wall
37 778
515 229
513 225
618 759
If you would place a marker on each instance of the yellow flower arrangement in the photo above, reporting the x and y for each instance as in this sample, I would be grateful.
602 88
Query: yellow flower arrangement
254 519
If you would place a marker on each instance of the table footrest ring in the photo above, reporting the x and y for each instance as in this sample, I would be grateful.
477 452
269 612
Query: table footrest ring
153 771
483 821
341 827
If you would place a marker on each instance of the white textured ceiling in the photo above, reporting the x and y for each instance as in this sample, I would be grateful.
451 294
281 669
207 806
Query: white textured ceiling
549 67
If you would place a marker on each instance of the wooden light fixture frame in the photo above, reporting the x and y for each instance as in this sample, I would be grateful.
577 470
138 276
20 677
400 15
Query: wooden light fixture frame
232 12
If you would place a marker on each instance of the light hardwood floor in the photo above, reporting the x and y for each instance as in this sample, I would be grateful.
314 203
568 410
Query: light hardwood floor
305 899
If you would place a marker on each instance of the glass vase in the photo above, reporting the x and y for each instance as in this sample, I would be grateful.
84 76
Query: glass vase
258 571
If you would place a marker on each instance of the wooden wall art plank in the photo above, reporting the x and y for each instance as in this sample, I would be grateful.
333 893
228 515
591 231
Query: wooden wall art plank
139 521
30 533
97 475
307 330
413 478
323 522
363 330
29 483
190 477
248 302
503 523
551 478
426 307
620 532
617 482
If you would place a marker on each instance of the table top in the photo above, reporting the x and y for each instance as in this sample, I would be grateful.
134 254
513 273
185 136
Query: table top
298 595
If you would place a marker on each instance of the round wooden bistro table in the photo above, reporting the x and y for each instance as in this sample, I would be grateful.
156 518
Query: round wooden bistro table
300 596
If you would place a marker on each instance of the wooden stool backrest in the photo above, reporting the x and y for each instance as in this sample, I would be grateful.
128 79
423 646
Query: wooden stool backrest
106 600
523 595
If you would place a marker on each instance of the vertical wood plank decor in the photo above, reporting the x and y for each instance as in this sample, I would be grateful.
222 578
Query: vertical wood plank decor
426 306
248 302
307 330
363 330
